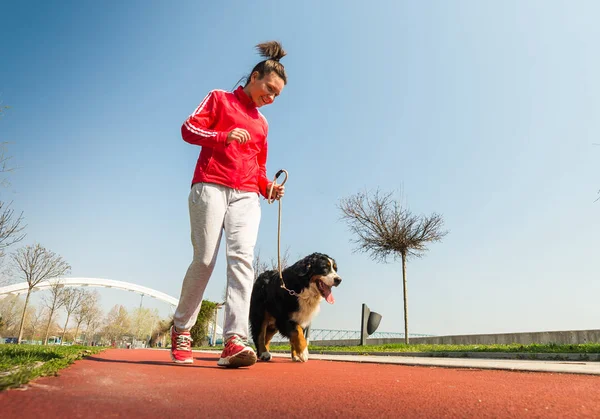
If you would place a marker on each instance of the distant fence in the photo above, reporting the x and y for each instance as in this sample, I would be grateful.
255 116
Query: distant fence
335 336
322 337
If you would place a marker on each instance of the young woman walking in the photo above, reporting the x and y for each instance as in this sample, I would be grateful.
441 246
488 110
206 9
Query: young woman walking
224 200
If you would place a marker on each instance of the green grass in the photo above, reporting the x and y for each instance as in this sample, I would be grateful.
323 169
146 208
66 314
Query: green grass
21 363
587 348
400 347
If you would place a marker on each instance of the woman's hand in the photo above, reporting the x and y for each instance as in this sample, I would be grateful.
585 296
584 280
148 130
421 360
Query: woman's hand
278 191
238 134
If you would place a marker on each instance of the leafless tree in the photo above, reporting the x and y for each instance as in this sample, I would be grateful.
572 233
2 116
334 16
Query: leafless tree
261 265
11 308
143 322
387 229
35 263
90 303
285 257
73 299
36 317
53 301
11 224
258 264
93 319
118 323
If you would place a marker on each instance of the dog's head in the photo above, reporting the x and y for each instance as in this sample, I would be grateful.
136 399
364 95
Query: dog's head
319 271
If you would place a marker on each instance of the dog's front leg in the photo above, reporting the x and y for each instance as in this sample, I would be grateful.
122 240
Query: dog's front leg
299 345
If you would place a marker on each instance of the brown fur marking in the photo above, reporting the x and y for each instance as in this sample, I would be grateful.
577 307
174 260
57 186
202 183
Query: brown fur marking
297 341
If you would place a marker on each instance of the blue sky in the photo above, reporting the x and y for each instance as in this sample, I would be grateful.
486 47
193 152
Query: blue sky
485 112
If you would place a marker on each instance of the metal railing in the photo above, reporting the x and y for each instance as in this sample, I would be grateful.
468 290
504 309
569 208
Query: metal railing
333 335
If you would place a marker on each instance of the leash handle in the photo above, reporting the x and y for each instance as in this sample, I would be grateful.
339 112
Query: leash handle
282 171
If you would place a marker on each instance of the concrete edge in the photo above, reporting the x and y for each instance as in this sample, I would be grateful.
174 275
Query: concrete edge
564 366
541 356
532 356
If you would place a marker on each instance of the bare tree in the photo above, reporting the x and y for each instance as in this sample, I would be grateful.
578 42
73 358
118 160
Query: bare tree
11 308
143 322
73 299
118 323
35 320
285 256
11 228
89 303
53 301
11 224
92 319
387 229
261 265
35 264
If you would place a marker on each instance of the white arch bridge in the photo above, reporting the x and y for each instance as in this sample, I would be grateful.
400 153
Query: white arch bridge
21 288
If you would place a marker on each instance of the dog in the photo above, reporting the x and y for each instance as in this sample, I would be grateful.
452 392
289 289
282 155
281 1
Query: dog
273 309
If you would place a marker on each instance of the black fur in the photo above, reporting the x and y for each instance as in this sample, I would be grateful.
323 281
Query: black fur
269 297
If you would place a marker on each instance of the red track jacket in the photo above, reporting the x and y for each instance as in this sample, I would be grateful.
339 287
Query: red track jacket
238 166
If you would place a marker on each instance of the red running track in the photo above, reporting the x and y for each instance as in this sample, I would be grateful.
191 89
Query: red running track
144 383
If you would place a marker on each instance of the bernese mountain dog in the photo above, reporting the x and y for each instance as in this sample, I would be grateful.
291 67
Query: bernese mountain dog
273 309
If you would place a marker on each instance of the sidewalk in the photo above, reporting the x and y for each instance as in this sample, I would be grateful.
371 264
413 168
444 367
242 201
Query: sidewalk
459 361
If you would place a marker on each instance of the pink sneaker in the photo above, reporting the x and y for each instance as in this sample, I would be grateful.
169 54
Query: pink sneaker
237 354
181 347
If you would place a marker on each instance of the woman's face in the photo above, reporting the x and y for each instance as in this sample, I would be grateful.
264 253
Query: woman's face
264 91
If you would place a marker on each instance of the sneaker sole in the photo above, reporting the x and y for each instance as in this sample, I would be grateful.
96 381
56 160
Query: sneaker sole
243 359
182 361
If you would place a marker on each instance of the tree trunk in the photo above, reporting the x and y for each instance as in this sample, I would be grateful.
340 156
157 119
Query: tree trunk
405 298
76 332
48 326
87 328
23 316
62 338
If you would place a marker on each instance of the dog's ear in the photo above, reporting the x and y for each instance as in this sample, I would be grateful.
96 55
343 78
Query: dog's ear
304 266
305 269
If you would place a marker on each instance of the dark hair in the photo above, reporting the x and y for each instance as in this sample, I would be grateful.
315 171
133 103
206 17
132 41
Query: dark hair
273 52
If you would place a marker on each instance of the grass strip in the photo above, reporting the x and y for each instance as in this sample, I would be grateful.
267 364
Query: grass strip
21 363
584 348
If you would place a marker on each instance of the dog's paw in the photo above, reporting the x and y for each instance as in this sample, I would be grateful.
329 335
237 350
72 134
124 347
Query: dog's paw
265 356
301 357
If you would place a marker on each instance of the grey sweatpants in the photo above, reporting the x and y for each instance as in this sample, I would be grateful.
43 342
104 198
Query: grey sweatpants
215 209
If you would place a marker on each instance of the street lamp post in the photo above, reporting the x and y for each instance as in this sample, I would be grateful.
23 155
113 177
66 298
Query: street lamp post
214 331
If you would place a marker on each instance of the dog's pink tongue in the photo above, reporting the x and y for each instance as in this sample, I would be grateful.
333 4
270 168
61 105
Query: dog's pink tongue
329 296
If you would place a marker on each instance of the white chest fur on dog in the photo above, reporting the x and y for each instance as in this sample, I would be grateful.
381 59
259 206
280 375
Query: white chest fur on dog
309 301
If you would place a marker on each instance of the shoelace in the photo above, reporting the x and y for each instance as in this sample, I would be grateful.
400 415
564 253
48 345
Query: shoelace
184 343
238 341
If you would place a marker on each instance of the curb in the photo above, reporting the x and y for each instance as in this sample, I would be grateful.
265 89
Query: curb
519 356
539 356
568 363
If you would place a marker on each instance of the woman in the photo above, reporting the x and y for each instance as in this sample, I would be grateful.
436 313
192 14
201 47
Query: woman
229 176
